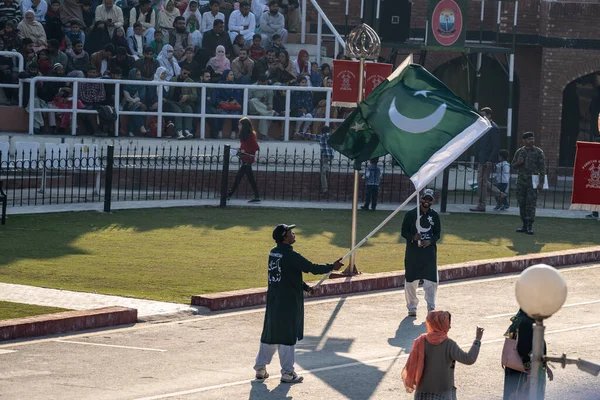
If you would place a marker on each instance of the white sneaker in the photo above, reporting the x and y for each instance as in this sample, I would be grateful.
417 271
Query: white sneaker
220 135
180 135
232 135
291 378
143 130
131 134
188 134
262 374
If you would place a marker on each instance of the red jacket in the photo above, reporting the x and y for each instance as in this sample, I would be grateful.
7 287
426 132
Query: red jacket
249 146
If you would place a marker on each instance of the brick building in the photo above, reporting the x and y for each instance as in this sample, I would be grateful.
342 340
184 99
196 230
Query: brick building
557 60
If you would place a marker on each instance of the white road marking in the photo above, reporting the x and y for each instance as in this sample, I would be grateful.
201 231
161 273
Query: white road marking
261 309
565 306
110 345
334 367
6 351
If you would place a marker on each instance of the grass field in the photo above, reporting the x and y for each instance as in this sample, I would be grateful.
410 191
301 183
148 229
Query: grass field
10 310
171 254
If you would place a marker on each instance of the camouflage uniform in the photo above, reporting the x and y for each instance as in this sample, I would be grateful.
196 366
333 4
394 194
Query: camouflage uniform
526 193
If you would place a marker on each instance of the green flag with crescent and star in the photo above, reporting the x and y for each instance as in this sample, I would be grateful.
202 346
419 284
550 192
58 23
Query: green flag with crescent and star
414 117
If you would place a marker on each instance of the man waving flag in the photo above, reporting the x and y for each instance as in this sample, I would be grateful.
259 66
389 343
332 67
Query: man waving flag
414 117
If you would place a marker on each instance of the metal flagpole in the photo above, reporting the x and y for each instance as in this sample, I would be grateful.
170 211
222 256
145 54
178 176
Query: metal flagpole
374 231
362 43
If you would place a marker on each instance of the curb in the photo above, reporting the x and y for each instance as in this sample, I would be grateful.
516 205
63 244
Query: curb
68 321
390 280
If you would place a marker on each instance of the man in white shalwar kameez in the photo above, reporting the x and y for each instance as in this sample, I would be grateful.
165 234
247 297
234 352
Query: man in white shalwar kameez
242 22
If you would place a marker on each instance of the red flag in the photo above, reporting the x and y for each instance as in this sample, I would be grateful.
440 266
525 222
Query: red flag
376 73
586 177
345 83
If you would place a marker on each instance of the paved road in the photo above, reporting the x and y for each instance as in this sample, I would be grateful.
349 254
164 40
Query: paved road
355 348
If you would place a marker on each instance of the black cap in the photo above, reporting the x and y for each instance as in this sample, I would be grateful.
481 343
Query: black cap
280 231
527 135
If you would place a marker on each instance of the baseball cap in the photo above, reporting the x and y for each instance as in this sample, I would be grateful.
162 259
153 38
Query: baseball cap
280 231
428 192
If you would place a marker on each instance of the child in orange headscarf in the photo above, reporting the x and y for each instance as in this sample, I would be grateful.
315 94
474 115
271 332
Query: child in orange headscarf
440 354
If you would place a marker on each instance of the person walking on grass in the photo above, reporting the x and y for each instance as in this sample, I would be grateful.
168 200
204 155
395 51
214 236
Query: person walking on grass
247 153
429 370
284 317
420 260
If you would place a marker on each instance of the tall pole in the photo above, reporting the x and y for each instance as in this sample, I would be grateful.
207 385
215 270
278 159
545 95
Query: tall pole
536 361
511 75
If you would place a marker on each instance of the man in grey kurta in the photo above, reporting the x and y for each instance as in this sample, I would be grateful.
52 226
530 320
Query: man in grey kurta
284 318
420 260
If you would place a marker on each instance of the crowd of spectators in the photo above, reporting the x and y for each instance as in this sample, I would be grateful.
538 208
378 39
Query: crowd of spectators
216 41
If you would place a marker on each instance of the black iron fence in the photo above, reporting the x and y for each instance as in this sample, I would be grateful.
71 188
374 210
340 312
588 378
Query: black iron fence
88 173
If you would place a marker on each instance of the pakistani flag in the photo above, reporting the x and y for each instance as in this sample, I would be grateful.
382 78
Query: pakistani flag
414 117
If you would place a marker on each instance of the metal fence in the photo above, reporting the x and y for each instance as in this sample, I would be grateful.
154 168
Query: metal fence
87 173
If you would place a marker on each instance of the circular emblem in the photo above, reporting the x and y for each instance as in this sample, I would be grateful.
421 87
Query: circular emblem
446 22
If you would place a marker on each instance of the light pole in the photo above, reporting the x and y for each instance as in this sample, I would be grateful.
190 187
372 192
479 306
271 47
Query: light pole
362 43
541 291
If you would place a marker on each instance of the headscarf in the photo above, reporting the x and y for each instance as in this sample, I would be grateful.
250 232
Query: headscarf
33 30
132 89
223 78
157 74
166 17
170 64
219 62
97 38
189 12
303 67
120 41
438 325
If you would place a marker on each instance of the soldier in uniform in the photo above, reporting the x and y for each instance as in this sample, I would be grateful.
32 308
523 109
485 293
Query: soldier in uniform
284 318
420 260
528 161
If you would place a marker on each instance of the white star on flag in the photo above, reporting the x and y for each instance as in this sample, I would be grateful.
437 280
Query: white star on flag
357 127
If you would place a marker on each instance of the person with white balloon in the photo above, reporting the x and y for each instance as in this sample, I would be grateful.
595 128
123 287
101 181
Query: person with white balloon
422 229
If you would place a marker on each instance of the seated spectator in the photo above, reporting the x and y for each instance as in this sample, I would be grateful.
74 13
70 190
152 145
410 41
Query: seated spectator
112 15
277 76
217 37
167 60
38 117
102 59
226 8
115 73
137 41
302 65
120 40
291 9
276 43
97 38
261 66
301 106
238 44
219 63
261 103
64 101
147 65
258 8
87 13
158 43
181 100
285 64
7 76
39 7
124 61
209 17
272 23
74 34
10 10
26 50
256 50
134 99
242 22
316 79
53 21
190 65
43 62
229 101
10 36
79 59
93 94
193 20
166 17
145 15
209 107
179 38
71 10
242 68
30 28
55 55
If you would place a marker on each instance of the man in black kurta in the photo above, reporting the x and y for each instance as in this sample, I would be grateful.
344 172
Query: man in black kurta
420 260
284 318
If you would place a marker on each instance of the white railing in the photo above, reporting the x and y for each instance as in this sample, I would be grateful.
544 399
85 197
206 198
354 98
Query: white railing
21 64
159 112
321 17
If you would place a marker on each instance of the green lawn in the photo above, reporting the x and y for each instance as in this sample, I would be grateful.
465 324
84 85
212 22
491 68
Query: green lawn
171 254
10 310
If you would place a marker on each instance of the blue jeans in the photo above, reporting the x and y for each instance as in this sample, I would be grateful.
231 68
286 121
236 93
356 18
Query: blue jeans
502 187
234 121
212 122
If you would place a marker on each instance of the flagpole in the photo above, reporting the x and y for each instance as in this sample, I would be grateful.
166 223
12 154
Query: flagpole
374 231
